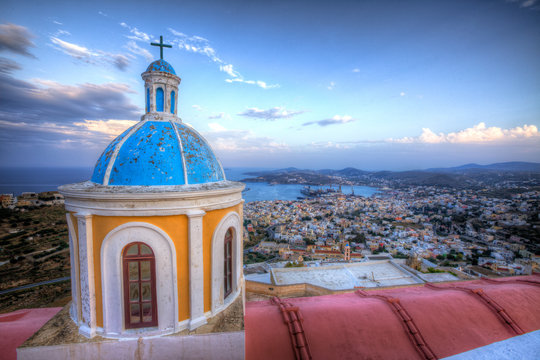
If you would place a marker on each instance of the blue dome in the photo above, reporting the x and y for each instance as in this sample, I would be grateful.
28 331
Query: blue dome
158 153
161 65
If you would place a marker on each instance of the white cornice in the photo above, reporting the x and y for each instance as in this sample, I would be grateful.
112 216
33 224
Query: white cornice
91 198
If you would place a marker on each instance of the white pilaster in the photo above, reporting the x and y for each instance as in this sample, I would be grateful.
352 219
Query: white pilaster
196 269
75 276
87 283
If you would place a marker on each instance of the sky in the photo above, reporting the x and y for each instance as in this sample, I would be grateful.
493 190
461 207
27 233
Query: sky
375 84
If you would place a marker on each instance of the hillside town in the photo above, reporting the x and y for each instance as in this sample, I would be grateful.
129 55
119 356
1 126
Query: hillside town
31 199
479 234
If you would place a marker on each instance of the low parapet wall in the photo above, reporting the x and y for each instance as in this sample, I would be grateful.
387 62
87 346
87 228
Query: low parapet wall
303 290
208 346
294 290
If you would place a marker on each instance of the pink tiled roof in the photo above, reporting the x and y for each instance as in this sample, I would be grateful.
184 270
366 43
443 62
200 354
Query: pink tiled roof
17 326
422 322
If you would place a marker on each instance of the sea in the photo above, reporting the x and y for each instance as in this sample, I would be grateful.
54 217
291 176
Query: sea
18 180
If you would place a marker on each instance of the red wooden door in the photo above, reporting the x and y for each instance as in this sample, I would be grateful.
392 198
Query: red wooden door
227 270
140 301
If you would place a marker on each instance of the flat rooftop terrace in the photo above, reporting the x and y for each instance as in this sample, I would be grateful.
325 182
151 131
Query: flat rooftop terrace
347 276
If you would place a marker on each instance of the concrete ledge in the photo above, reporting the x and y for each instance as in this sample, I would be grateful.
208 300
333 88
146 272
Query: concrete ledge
208 346
195 323
523 347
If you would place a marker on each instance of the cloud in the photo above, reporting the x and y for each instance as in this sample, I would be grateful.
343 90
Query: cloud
61 32
270 114
201 45
120 61
331 86
132 47
7 66
477 134
197 107
259 83
402 93
45 122
109 127
57 22
229 70
74 50
136 33
528 3
356 70
95 57
43 101
525 3
336 119
216 127
16 39
221 115
241 141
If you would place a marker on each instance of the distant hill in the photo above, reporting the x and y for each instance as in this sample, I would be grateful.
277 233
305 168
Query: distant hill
459 176
513 166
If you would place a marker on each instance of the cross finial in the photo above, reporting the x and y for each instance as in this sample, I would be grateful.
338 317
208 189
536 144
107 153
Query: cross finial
161 46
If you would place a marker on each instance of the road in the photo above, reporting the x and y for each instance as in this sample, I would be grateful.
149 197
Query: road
6 291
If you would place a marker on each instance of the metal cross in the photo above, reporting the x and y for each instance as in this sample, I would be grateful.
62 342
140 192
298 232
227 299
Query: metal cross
161 46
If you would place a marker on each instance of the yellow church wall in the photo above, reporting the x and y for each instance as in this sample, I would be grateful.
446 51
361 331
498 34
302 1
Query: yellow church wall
176 226
210 222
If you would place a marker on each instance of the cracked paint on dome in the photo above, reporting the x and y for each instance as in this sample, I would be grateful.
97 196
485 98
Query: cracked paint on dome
101 165
161 65
152 155
201 163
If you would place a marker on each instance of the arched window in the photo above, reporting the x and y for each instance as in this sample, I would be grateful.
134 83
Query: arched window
227 263
147 99
159 99
140 301
172 102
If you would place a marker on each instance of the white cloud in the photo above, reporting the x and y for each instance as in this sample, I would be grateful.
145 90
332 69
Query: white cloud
74 50
137 50
270 114
216 127
479 133
61 32
111 127
197 107
90 56
356 70
259 83
136 33
402 93
201 45
221 115
331 86
234 141
229 70
334 120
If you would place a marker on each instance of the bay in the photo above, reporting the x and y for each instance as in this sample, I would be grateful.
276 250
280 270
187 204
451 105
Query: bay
22 179
265 191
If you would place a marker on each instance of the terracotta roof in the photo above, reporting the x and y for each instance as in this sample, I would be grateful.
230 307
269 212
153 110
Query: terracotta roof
422 322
